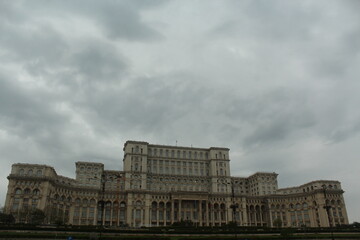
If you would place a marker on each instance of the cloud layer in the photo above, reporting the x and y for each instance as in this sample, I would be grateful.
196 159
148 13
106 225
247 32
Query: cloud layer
276 82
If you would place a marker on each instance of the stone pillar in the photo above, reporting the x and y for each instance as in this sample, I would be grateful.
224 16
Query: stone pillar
207 213
172 212
212 210
312 216
227 212
288 218
180 203
157 214
129 215
200 215
147 214
71 214
255 217
133 216
244 211
111 213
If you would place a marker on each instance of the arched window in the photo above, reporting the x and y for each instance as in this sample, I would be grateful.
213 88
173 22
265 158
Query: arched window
18 191
27 191
30 172
21 172
38 173
36 192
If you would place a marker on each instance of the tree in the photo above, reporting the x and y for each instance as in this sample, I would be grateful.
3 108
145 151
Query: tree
184 223
277 223
37 216
6 218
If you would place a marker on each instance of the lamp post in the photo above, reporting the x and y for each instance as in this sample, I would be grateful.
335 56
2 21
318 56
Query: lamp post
234 205
327 208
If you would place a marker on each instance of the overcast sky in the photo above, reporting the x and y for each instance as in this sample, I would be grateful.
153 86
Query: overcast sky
277 82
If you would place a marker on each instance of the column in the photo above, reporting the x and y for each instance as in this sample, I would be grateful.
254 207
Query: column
212 210
133 216
157 214
129 214
111 213
271 217
255 217
288 218
226 213
117 212
172 212
200 215
71 214
180 203
207 213
147 214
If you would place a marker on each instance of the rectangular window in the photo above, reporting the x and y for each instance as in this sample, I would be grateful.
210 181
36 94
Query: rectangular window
34 203
77 212
91 212
122 215
138 214
15 205
84 213
153 215
25 203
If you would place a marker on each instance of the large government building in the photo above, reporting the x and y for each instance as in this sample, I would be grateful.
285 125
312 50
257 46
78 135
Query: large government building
161 185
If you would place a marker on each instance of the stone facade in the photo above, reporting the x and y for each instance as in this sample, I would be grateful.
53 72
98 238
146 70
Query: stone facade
160 185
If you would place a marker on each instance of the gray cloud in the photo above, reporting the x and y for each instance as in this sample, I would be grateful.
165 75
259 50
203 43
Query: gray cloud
275 82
